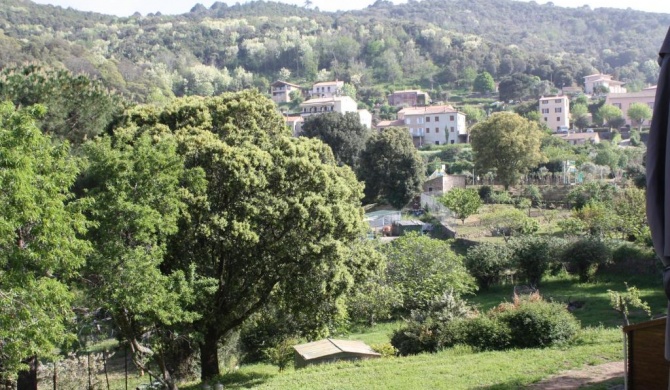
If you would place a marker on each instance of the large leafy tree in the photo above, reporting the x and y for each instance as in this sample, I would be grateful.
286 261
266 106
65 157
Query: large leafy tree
609 114
40 251
423 268
78 108
277 221
137 186
344 133
638 113
507 143
484 83
515 87
463 202
391 168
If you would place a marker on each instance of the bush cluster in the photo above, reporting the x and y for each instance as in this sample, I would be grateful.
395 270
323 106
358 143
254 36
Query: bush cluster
530 323
585 256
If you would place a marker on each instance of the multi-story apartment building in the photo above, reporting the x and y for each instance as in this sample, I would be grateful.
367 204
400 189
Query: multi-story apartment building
340 104
327 89
624 100
555 112
281 91
431 125
593 81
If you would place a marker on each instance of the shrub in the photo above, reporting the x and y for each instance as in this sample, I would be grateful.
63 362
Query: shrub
534 324
281 355
486 333
533 256
384 349
501 198
485 193
426 330
486 261
585 256
627 251
416 338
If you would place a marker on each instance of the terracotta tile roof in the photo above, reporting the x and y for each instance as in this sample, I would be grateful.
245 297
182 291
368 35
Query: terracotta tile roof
397 122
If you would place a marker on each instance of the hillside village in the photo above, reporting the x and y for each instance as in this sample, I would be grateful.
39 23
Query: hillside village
436 194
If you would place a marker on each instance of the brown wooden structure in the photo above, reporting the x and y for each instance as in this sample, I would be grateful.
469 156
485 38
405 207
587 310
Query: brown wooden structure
647 367
331 350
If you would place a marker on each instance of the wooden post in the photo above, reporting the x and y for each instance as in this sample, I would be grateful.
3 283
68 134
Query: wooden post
104 365
55 375
90 386
126 364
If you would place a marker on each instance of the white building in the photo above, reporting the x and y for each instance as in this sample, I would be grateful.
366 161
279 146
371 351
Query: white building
327 89
339 104
555 112
593 81
434 125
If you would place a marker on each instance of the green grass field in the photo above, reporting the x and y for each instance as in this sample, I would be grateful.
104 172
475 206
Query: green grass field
455 368
599 341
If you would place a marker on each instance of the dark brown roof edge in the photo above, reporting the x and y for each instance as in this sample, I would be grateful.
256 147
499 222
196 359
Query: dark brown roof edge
646 324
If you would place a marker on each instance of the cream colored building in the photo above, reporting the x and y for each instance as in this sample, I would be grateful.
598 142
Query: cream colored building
434 125
624 100
281 91
592 82
339 104
327 89
555 112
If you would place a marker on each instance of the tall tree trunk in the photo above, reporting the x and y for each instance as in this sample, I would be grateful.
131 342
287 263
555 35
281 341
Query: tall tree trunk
209 356
28 379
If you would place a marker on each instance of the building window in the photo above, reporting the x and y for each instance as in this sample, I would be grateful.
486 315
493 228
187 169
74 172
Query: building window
617 105
558 109
452 129
545 110
545 119
437 129
451 117
545 102
427 119
408 121
427 129
437 142
452 141
557 100
437 119
558 118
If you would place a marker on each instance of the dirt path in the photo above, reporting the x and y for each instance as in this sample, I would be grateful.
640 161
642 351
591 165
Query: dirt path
574 379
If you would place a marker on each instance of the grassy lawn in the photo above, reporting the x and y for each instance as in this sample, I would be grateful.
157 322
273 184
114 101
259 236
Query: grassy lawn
599 341
596 308
455 368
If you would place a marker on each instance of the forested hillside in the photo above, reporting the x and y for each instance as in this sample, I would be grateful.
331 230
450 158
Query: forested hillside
435 44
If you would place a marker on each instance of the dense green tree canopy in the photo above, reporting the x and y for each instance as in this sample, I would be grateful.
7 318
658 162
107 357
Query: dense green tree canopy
463 202
391 168
507 143
484 83
423 268
138 191
40 248
609 113
77 107
277 220
638 113
344 133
